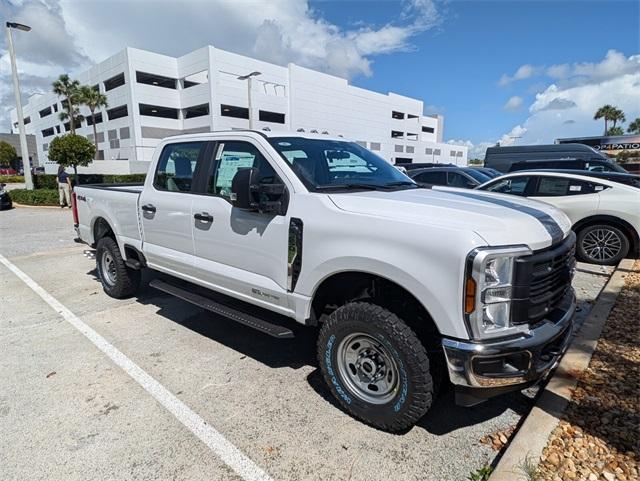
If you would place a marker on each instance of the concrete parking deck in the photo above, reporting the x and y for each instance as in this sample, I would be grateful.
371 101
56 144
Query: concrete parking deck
67 411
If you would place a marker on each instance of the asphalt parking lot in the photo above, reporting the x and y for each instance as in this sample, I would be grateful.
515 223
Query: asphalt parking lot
67 411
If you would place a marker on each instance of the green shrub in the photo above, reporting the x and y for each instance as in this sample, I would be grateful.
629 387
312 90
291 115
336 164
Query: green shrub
43 181
11 179
35 197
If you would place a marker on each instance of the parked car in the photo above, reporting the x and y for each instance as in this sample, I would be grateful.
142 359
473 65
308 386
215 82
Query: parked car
488 171
554 156
421 165
8 171
5 198
408 284
605 214
626 178
464 177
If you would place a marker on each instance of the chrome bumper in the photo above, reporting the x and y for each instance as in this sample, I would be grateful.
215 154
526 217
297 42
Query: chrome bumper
492 367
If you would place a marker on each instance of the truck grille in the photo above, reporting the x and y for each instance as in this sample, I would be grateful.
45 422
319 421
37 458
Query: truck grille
541 282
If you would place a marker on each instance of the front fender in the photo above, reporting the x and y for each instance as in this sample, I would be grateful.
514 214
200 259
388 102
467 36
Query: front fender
310 282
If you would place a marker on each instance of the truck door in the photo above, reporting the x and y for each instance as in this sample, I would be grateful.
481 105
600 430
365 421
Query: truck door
240 253
165 208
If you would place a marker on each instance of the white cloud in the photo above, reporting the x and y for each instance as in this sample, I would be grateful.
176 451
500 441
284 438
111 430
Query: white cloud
612 65
514 103
566 108
523 72
69 35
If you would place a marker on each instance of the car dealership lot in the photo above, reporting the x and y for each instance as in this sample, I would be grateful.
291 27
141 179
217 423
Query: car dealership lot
67 410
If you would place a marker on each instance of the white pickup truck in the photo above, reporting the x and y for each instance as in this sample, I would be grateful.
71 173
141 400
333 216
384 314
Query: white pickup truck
409 286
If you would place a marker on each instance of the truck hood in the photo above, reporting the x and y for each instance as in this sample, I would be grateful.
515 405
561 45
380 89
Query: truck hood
499 219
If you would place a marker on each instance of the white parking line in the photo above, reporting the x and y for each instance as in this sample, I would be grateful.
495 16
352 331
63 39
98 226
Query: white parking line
225 450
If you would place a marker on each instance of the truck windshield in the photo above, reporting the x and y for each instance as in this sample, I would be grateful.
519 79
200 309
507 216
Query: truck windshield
324 165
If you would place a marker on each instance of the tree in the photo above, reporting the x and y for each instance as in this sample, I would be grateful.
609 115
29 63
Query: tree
72 150
627 155
70 90
634 127
93 99
8 154
617 116
605 112
615 131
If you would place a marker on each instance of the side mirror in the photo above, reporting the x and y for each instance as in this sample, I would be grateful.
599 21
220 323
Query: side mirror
248 194
241 188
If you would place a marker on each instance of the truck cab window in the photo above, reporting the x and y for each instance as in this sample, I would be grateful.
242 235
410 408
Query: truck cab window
177 165
232 156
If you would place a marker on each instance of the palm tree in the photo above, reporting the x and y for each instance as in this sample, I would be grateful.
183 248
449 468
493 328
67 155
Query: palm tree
634 127
69 89
94 100
617 116
605 112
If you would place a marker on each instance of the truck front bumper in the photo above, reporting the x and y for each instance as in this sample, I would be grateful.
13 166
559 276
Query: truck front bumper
483 369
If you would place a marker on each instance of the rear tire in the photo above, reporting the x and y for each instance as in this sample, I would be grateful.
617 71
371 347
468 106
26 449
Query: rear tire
117 279
602 244
375 366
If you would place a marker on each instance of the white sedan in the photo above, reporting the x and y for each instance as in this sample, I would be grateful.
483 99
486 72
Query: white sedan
605 215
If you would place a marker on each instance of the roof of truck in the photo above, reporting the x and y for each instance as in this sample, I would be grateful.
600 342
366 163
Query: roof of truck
263 133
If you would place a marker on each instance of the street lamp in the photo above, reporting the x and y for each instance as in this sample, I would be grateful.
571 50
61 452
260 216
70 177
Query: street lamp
248 78
16 88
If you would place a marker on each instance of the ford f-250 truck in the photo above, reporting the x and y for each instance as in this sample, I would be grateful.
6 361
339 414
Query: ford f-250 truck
408 285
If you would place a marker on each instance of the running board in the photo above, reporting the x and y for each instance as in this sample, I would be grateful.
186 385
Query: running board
229 312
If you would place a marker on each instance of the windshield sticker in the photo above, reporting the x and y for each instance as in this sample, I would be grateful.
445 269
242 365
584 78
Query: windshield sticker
575 188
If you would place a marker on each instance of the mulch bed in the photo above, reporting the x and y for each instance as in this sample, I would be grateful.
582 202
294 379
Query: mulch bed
599 435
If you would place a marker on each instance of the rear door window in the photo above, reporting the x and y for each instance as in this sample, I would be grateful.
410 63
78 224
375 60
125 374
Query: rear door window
177 166
435 178
558 186
455 179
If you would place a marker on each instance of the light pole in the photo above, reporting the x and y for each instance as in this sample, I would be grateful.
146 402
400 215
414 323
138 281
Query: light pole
24 149
248 78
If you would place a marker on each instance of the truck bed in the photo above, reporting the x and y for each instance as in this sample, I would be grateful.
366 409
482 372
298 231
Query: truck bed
117 204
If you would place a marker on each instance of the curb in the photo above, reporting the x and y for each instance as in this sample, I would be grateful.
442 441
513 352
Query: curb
533 435
15 204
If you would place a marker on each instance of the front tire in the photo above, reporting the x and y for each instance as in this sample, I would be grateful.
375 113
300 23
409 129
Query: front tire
375 366
117 279
602 244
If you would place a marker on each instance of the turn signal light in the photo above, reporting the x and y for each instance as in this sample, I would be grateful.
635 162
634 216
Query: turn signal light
469 296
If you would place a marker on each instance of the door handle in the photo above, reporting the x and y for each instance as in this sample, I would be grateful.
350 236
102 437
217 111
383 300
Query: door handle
148 208
203 216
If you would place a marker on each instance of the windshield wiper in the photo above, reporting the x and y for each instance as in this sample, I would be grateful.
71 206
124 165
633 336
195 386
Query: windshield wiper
351 186
400 183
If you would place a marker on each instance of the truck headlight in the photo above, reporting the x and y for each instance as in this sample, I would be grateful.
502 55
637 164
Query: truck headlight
488 291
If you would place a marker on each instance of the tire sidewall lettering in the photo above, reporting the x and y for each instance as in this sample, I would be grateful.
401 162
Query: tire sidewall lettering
328 355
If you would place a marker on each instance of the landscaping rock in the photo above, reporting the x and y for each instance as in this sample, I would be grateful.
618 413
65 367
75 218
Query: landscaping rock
598 438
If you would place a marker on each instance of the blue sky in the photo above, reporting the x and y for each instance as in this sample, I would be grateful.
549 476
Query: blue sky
509 71
456 67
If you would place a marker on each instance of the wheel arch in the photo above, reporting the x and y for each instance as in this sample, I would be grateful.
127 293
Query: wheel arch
339 288
102 228
623 225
